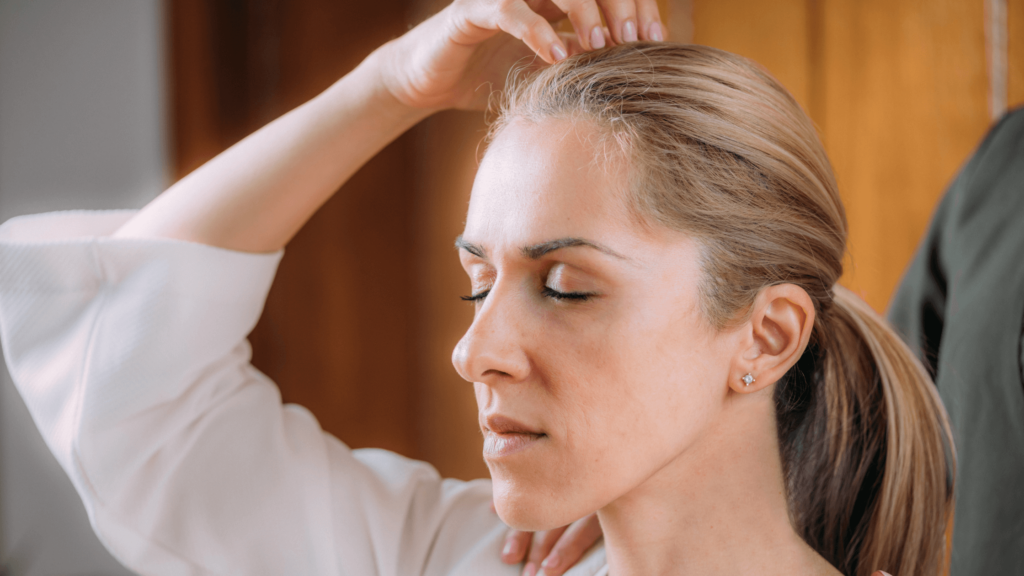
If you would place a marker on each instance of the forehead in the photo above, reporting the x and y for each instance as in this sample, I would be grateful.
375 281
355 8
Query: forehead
549 179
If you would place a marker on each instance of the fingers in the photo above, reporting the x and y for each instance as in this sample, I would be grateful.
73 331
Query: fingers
547 9
567 551
553 552
632 20
542 544
648 20
621 17
627 21
516 18
585 16
573 43
517 544
528 20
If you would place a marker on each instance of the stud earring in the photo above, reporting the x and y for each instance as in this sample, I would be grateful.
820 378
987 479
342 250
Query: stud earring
747 380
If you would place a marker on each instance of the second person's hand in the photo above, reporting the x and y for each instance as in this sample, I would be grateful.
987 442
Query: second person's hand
553 551
455 58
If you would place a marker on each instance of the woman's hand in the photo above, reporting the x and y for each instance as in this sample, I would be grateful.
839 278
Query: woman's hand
455 58
554 551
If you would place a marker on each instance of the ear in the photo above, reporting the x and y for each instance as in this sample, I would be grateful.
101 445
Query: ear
776 336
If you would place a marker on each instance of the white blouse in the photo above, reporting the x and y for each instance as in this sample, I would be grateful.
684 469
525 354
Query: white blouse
131 355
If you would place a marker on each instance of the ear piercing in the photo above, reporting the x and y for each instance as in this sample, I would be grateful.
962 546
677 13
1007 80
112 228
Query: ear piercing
748 379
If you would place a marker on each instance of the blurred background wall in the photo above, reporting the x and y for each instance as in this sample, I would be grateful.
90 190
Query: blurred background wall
82 125
362 318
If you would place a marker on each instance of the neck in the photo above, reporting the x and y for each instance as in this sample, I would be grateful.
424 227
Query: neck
718 508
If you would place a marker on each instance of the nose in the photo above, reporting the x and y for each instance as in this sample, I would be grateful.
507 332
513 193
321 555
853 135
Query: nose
491 350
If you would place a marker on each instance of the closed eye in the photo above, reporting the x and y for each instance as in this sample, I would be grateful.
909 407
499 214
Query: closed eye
549 292
577 296
476 297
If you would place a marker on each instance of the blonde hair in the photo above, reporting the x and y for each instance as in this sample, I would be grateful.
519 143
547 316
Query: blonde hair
720 150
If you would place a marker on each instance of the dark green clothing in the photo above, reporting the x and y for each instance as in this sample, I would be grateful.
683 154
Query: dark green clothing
961 307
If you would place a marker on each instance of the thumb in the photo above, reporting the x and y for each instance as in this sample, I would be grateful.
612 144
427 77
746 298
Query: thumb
880 573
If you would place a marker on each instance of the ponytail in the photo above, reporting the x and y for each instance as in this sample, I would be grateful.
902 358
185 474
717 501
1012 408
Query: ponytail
866 447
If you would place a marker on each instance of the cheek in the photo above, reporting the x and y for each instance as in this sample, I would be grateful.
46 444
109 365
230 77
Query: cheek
681 369
569 392
641 394
622 395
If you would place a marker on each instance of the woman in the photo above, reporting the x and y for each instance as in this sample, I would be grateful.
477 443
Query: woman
653 243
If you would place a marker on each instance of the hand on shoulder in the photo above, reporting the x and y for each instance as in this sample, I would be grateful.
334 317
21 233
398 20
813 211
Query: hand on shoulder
554 551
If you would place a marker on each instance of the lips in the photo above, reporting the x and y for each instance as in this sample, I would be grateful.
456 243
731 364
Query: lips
504 436
504 425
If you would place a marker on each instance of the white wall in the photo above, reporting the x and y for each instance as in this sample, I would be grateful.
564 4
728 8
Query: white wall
82 125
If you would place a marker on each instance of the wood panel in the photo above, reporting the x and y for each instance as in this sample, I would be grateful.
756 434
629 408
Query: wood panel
905 102
775 34
1015 52
449 436
343 299
678 15
898 90
336 333
195 126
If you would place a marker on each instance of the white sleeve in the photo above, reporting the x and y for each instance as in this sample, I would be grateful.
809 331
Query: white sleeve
132 358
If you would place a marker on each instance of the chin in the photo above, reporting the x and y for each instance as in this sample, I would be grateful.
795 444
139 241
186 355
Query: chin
531 506
519 510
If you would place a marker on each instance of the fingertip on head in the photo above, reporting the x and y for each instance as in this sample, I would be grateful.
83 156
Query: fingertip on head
628 33
655 32
558 52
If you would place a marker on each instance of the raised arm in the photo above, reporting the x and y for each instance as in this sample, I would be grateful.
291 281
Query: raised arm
255 196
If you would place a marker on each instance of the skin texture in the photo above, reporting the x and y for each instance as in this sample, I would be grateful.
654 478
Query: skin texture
570 368
633 404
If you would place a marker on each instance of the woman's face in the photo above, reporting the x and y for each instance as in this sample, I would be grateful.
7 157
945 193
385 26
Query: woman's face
592 365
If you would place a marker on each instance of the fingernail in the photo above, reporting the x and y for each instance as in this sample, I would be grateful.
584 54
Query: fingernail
596 38
529 570
511 547
552 561
558 53
629 31
655 32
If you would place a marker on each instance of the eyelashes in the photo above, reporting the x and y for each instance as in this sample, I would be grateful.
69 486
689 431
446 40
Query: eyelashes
475 297
548 292
577 296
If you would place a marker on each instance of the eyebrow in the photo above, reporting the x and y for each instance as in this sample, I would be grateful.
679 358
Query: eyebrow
535 251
